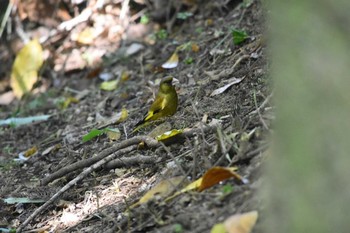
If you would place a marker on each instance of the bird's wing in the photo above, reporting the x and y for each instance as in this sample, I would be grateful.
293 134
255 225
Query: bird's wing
157 106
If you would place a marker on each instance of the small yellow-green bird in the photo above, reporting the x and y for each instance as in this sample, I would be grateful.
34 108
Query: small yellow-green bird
165 103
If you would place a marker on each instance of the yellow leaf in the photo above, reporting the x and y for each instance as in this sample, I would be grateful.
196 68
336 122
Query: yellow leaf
194 185
218 228
125 76
211 177
68 101
172 62
169 134
25 155
123 115
195 47
162 189
109 85
25 68
241 223
86 36
209 22
30 151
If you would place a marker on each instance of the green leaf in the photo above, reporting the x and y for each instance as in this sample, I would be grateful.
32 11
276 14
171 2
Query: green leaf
162 34
188 60
238 36
92 134
227 189
183 15
10 230
178 228
144 19
199 30
247 3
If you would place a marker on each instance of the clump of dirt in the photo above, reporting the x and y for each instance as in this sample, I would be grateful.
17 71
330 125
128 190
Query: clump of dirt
102 200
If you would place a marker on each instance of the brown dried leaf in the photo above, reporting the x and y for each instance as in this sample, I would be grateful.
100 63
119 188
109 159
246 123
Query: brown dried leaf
241 223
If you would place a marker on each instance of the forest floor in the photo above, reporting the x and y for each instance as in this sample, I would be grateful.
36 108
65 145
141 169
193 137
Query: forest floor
226 128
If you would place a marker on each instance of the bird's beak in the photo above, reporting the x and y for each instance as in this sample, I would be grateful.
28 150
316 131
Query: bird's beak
175 82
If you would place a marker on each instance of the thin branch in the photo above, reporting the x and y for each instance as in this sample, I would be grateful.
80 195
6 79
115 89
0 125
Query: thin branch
113 153
87 162
73 182
5 18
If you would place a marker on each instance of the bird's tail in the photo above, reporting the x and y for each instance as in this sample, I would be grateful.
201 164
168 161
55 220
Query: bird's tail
139 125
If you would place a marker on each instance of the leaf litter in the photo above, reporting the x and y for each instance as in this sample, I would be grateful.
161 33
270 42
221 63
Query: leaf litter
190 157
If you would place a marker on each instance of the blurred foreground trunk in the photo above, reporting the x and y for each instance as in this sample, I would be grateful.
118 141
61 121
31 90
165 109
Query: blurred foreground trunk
308 172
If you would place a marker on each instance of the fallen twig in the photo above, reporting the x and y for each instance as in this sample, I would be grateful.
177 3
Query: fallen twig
266 101
81 176
87 162
217 75
113 153
131 161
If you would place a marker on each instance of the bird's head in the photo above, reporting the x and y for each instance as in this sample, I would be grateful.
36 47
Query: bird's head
167 83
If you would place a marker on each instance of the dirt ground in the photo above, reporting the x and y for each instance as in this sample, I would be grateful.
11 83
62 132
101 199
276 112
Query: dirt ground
102 201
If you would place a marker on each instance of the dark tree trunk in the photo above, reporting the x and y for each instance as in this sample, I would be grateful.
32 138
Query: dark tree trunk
308 185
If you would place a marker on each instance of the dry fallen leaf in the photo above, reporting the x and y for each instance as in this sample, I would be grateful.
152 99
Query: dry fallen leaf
224 88
195 47
217 174
168 134
17 121
50 149
213 176
125 76
134 48
241 223
68 101
160 129
172 62
162 189
25 155
122 116
113 134
109 85
115 119
218 228
85 37
25 69
209 22
6 98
